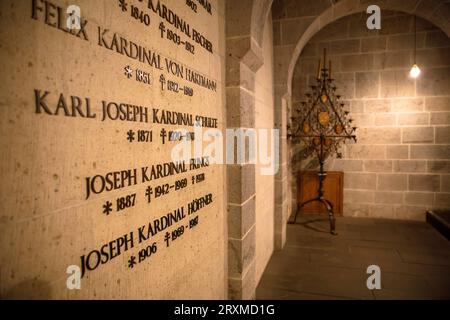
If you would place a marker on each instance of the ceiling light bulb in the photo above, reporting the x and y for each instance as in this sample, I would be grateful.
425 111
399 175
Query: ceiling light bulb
415 71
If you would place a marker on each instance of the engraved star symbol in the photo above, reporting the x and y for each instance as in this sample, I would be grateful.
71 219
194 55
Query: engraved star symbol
123 5
128 72
107 208
130 135
131 262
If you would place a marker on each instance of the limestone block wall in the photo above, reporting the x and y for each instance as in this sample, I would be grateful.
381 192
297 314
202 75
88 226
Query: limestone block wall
264 119
88 178
248 101
400 166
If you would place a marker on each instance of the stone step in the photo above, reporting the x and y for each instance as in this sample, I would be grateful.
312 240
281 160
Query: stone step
440 220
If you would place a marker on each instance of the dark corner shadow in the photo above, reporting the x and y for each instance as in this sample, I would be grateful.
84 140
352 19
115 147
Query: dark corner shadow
307 225
31 289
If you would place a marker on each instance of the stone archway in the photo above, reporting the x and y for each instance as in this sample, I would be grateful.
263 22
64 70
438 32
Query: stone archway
434 11
428 10
244 35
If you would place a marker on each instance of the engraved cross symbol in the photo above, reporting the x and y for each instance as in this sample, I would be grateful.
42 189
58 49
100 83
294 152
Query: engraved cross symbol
148 193
162 79
163 135
162 27
167 238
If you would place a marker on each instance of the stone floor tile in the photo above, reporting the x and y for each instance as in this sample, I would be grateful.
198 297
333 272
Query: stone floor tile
278 294
414 260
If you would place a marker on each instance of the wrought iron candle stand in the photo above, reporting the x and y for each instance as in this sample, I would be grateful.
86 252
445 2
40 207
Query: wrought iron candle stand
323 125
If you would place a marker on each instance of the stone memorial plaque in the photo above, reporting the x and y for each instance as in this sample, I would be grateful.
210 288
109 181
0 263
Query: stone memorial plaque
93 97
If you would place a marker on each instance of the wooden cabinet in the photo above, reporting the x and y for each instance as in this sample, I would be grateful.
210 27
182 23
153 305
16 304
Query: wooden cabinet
308 183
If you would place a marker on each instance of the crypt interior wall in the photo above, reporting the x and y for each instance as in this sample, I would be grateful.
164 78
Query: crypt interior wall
399 168
249 101
47 220
400 165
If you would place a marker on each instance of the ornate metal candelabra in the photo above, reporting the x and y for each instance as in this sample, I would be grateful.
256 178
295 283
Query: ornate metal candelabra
323 125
